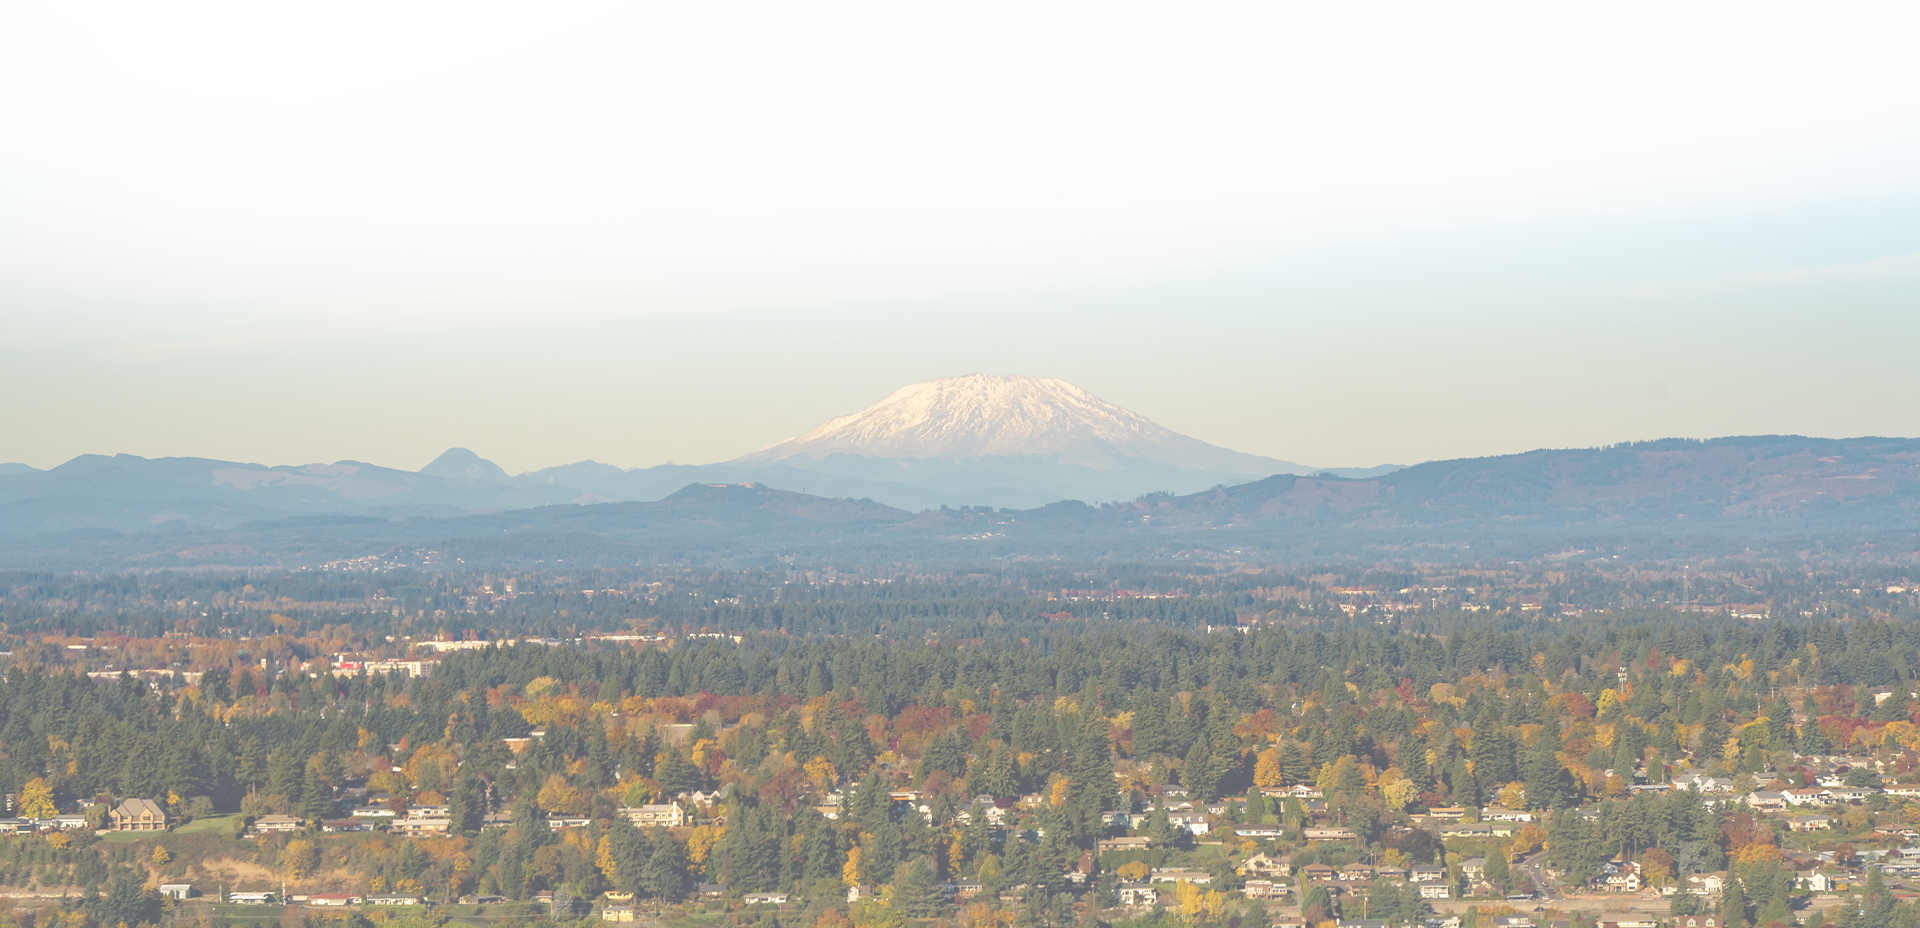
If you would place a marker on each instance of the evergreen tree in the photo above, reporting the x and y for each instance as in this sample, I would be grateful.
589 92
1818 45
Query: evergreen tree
915 894
1498 872
1546 779
677 774
1733 904
1199 771
1090 786
665 874
1294 765
1413 763
316 796
467 809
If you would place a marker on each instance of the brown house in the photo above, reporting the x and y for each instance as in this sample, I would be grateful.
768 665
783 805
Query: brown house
139 815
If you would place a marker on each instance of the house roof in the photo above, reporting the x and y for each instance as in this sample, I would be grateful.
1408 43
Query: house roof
138 807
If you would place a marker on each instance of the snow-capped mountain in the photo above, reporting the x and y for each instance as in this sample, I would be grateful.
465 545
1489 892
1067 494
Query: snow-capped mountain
982 416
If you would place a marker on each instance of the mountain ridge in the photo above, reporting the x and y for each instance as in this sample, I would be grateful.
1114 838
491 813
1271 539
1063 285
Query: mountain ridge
1677 498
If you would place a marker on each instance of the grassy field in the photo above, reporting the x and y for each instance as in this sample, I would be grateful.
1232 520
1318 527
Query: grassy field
218 824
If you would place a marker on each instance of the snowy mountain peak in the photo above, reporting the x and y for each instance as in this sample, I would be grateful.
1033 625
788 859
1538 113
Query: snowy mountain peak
981 415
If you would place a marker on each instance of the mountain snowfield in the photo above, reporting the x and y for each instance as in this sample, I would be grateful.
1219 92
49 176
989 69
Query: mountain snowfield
984 416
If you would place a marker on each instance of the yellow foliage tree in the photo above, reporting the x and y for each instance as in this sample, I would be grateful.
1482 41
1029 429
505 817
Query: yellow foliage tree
36 799
1266 772
821 774
557 795
850 872
160 855
1397 794
876 913
1057 792
1196 906
1134 871
700 843
604 860
299 858
1513 795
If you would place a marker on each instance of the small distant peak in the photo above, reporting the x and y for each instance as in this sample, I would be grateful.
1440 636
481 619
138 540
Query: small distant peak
461 464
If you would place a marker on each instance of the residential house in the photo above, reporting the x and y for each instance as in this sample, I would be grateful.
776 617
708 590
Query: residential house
1808 796
1123 844
663 815
764 899
1427 874
262 897
177 891
1356 873
374 812
1819 882
618 913
1195 823
333 899
1436 891
1851 795
276 823
1809 822
1474 868
68 822
1696 921
1709 885
964 889
1264 890
1138 894
1903 791
1319 873
138 815
338 826
1303 791
1257 831
1389 873
1765 800
1196 877
1621 878
1505 815
393 900
417 827
1328 834
709 890
563 822
859 891
1446 813
1362 923
1264 865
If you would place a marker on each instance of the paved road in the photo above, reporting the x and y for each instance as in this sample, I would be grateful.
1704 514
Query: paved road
1535 868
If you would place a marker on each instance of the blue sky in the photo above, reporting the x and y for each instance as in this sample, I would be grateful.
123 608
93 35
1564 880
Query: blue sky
1346 237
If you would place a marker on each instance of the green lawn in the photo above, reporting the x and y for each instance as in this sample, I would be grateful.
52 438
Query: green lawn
219 824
